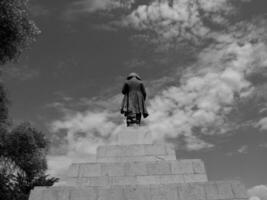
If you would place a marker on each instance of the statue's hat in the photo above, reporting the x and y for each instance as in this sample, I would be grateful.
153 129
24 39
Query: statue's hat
133 74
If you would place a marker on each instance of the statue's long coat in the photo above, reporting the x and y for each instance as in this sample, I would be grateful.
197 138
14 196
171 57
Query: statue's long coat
134 97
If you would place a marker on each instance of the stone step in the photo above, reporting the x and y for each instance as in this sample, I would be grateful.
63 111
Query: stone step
134 150
220 190
134 136
122 159
131 153
109 181
135 158
140 168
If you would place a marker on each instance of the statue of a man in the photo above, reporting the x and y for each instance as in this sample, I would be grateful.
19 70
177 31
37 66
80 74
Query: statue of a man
133 103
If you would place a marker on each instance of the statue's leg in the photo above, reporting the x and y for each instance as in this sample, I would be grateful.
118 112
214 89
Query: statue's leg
138 119
130 119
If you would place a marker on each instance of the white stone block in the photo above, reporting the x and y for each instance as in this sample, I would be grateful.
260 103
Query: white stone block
82 194
101 151
136 193
126 180
158 168
225 190
81 180
120 151
36 194
133 150
90 170
91 159
171 179
97 181
160 179
162 158
191 192
163 192
239 190
170 150
133 136
148 180
211 191
113 151
73 170
136 158
198 166
182 167
67 182
50 195
190 178
135 169
112 169
59 194
155 149
110 194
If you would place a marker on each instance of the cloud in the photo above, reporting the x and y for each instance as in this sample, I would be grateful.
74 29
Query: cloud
181 20
66 104
243 149
97 124
206 93
254 198
90 6
258 192
262 124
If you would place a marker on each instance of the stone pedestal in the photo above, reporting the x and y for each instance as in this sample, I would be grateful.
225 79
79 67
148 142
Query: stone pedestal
139 172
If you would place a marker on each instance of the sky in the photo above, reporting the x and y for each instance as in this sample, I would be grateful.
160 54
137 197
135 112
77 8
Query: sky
203 62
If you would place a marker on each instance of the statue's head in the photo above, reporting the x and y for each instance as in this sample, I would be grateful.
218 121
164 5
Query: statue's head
133 74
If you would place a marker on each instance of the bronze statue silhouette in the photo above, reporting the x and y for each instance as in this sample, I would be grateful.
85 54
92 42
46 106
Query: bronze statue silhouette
133 103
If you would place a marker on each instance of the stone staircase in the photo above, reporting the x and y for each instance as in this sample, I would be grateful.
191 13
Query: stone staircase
139 172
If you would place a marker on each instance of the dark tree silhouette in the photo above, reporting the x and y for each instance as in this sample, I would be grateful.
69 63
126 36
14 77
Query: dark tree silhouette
17 31
22 149
3 105
23 162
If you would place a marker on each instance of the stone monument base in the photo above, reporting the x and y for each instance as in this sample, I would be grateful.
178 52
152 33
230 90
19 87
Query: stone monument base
139 171
221 190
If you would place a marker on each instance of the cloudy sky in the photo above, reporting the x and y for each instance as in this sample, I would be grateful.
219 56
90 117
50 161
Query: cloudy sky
203 62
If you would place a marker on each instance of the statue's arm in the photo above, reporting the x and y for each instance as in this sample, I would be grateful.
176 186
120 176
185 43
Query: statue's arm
125 89
143 90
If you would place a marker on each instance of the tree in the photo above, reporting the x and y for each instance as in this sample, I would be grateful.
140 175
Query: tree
23 162
22 149
17 31
27 147
3 115
3 105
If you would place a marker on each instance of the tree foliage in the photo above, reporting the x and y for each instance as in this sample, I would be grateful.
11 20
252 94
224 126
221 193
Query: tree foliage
26 146
23 162
23 148
17 31
3 106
